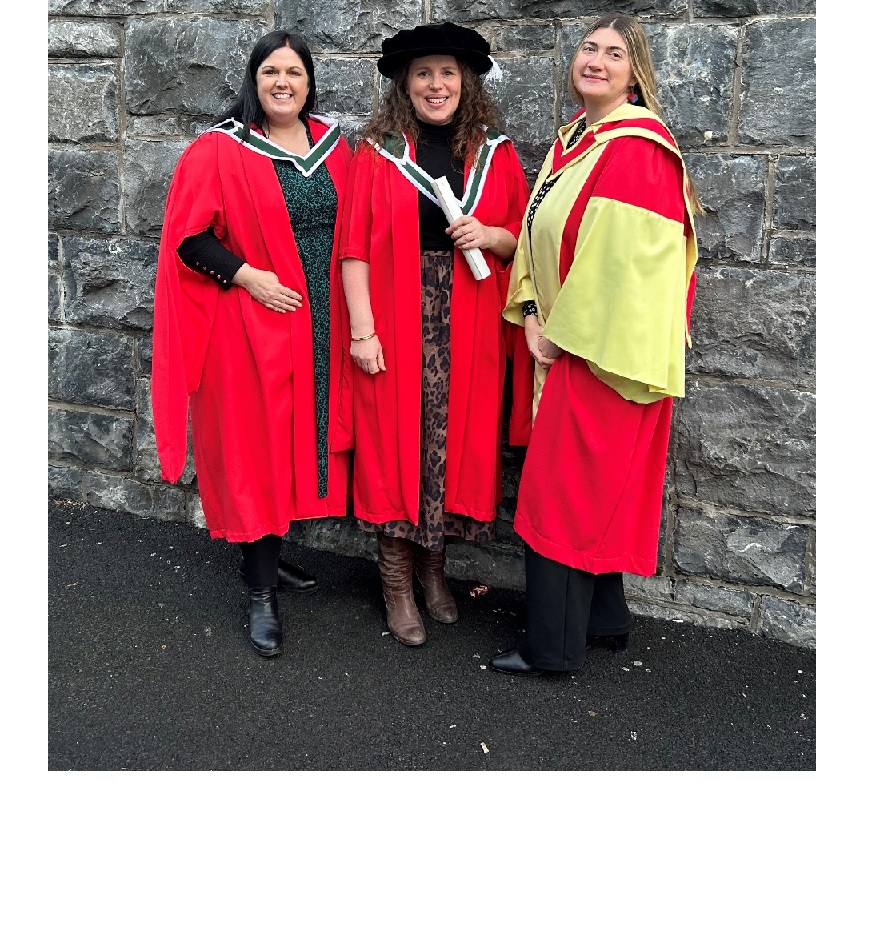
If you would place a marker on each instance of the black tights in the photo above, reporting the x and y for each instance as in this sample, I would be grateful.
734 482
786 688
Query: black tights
261 560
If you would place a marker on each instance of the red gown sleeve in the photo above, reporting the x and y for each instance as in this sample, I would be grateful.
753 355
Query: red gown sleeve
355 236
522 365
185 301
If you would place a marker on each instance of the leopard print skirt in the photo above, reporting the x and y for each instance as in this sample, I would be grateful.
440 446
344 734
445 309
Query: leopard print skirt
435 526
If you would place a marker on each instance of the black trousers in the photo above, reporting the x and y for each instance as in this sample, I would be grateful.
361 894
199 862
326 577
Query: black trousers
563 605
261 561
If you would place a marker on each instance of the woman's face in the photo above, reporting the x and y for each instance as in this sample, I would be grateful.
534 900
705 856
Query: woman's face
602 71
434 85
282 85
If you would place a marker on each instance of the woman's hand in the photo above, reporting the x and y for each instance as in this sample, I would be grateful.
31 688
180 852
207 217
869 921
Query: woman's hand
543 350
264 286
549 350
368 355
467 232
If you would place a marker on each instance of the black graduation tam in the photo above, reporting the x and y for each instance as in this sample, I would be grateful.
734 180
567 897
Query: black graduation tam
435 39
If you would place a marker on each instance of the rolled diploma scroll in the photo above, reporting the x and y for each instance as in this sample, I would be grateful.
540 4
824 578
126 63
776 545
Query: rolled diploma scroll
453 210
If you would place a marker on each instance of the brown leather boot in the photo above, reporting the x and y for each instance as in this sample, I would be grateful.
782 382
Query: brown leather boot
396 572
439 601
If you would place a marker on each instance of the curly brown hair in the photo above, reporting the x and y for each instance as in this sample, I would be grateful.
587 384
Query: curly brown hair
477 109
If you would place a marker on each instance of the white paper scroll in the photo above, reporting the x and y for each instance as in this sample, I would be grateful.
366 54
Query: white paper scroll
453 210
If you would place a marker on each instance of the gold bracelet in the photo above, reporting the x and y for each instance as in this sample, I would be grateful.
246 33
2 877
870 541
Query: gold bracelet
366 337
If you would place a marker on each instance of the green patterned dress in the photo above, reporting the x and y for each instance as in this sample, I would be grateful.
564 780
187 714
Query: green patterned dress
312 204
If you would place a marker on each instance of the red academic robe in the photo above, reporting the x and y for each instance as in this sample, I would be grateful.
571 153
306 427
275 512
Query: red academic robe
246 371
590 494
381 228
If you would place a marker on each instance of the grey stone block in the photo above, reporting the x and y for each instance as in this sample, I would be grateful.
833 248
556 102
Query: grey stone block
489 563
778 83
77 39
795 193
65 483
128 496
90 438
738 603
340 28
54 249
92 369
341 534
741 550
159 127
105 7
525 99
754 324
148 169
789 621
747 447
525 37
190 67
694 66
146 464
695 617
733 191
298 531
83 191
345 87
751 7
793 251
195 512
56 314
224 7
110 283
648 589
143 360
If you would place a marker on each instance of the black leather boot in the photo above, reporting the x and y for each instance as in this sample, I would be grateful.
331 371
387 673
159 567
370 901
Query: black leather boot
618 642
265 629
291 578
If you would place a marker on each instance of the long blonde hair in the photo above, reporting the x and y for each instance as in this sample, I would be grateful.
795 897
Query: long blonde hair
643 73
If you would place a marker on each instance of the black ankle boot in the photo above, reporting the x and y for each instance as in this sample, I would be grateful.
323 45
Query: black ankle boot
265 629
290 578
618 642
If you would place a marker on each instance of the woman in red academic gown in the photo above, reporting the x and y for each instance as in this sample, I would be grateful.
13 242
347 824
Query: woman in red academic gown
250 330
427 336
602 284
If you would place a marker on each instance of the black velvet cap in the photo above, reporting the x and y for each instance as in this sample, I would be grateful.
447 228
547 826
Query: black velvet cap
435 39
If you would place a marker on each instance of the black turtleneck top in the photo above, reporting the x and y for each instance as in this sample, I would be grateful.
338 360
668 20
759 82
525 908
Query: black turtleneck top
433 155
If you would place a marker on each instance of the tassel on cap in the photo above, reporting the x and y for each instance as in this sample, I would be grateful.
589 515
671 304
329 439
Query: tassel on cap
495 74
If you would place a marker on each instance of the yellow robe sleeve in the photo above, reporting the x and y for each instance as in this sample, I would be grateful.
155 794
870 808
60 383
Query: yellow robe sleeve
625 311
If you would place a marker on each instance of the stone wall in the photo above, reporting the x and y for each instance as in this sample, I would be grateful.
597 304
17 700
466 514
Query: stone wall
131 83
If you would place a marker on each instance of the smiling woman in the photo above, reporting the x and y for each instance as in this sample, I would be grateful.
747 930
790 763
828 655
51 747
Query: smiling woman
427 337
434 83
602 286
283 87
250 329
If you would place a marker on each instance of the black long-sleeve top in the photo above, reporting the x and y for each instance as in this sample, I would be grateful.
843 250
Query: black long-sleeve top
434 156
205 254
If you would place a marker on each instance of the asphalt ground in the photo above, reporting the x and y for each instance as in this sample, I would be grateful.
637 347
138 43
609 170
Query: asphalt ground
150 669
